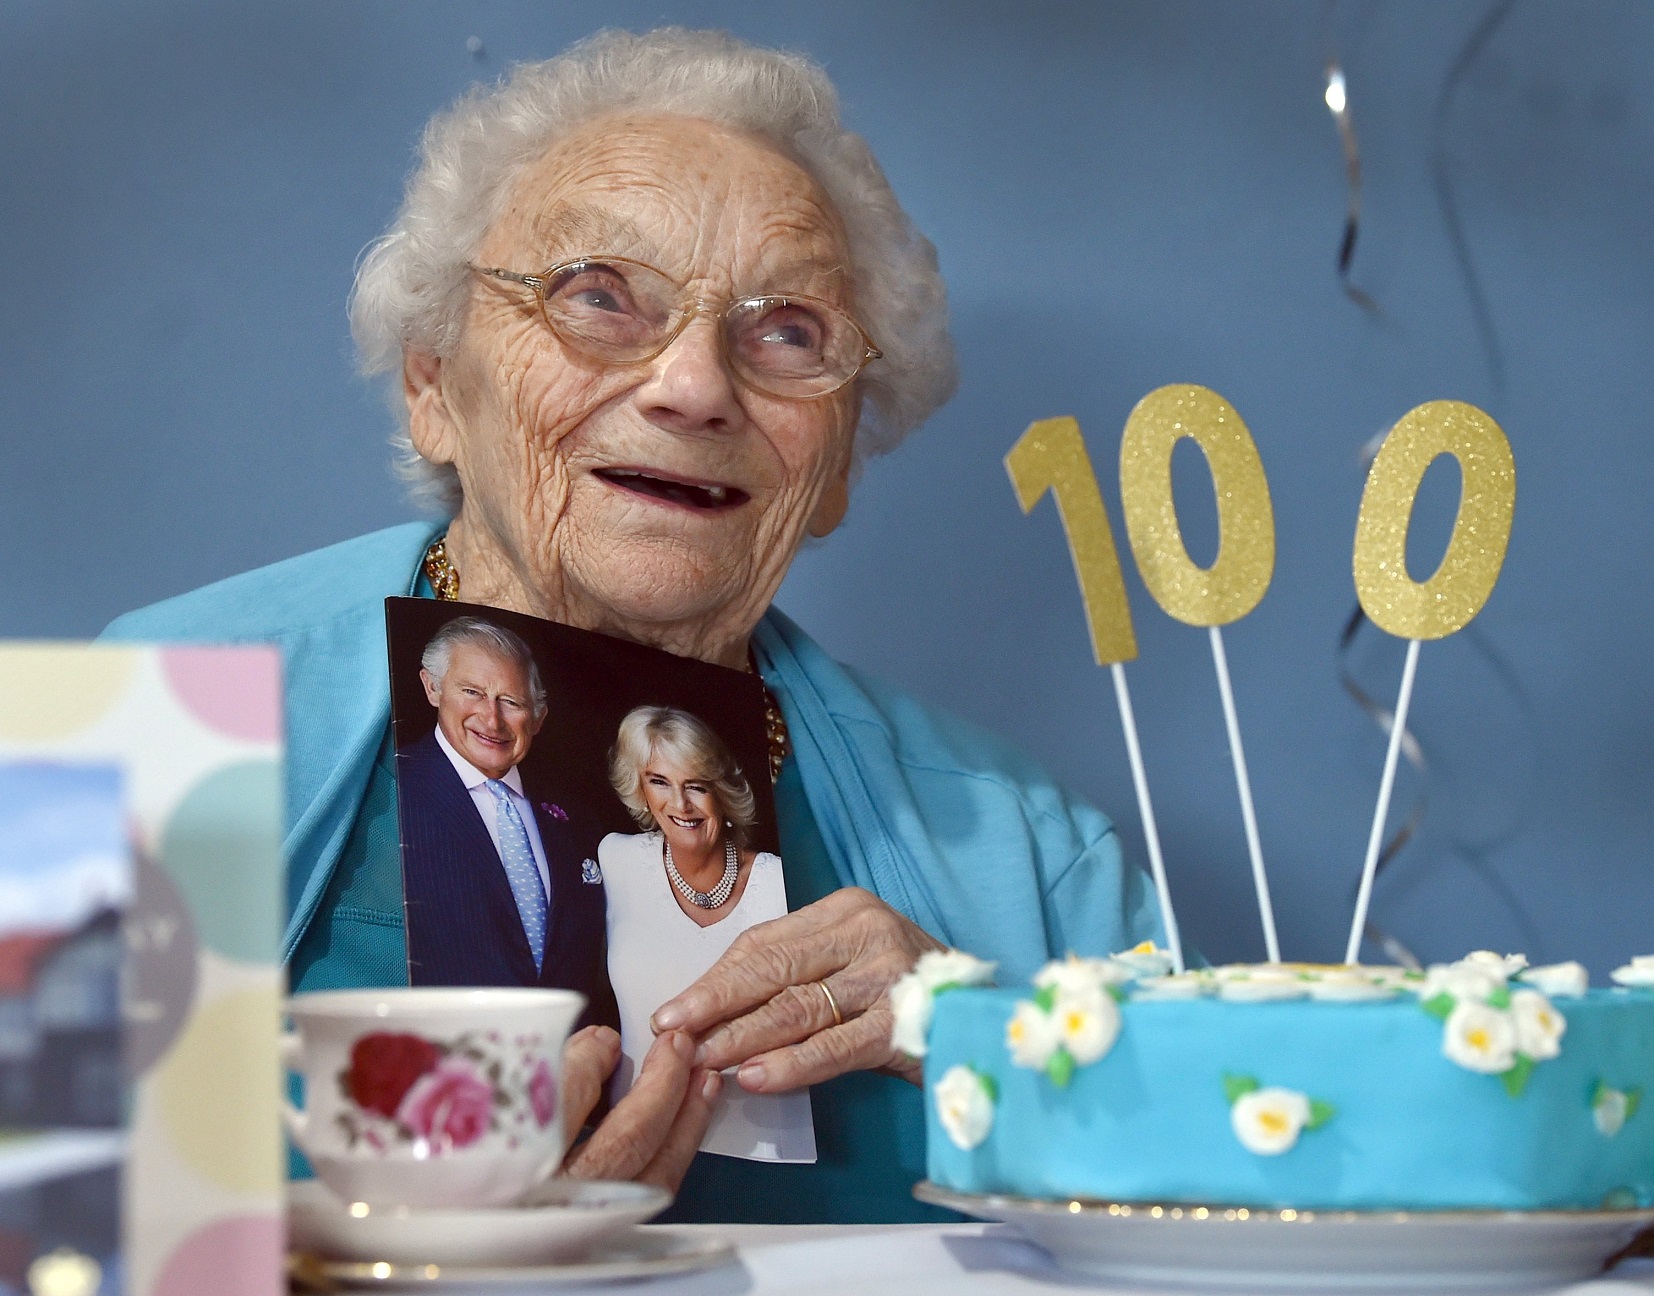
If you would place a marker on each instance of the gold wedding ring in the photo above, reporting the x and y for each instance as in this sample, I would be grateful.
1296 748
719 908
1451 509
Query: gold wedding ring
838 1017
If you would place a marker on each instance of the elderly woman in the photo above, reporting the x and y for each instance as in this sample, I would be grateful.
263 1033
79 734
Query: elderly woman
647 307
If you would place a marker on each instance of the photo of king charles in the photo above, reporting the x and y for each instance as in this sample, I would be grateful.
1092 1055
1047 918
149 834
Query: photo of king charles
501 885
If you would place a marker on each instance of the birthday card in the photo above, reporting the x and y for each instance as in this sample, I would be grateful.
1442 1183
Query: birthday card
582 812
178 753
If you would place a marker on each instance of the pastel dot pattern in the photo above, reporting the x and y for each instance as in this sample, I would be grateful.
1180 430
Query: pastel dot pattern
198 733
227 689
222 847
230 1257
48 694
227 1051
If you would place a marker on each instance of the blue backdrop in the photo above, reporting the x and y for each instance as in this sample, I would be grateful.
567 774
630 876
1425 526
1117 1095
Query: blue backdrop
1123 195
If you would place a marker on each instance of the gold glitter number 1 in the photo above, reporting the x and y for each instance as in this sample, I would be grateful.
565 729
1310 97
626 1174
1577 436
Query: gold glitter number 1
1235 583
1051 456
1460 586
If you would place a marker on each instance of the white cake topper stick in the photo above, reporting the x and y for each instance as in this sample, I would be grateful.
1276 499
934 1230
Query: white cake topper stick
1445 603
1051 455
1249 817
1145 809
1386 785
1237 579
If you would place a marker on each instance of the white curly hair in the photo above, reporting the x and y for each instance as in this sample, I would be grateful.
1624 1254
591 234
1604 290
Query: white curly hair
413 286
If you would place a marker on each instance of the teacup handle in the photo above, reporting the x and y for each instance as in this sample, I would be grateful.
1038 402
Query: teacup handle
296 1121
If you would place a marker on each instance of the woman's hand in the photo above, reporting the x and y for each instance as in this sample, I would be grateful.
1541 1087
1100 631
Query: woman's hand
651 1134
759 1006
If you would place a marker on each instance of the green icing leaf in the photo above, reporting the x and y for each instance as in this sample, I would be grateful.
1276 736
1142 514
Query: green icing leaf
1516 1079
1633 1100
1045 997
1320 1113
1598 1090
990 1086
1236 1087
1117 994
945 987
1061 1067
1500 998
1439 1006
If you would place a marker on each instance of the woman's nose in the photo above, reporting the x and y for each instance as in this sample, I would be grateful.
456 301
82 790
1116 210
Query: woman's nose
690 387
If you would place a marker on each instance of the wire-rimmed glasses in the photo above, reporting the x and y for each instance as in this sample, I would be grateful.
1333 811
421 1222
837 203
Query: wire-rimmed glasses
625 312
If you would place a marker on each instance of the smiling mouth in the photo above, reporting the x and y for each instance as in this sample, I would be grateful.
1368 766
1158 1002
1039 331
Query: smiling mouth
688 825
705 499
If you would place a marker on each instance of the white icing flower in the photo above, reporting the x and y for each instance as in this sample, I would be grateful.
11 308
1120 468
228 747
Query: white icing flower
1611 1108
913 997
1558 980
1087 1024
1609 1111
912 1005
1179 985
1638 972
1464 982
1268 1121
1081 976
1145 960
1480 1038
965 1106
1349 986
1263 984
1235 971
940 969
1032 1036
1539 1026
1504 965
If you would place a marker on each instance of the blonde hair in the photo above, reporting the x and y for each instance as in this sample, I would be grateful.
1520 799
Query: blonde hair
648 731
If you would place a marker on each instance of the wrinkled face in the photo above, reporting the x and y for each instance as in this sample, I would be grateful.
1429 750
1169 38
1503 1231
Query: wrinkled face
683 803
662 492
484 707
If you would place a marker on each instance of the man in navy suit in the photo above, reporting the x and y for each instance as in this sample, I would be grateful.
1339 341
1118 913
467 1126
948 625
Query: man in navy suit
500 888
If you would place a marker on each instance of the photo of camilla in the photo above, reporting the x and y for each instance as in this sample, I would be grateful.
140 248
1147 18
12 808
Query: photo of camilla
582 812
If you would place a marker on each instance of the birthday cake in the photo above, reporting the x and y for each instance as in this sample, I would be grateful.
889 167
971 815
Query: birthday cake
1480 1084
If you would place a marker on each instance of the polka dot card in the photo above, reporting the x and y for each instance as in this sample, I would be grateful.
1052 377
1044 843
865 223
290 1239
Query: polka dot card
195 734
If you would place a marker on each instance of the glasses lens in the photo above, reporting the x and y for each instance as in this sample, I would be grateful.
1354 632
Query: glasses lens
793 346
615 310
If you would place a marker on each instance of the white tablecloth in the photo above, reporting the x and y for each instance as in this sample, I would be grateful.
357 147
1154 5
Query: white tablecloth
915 1260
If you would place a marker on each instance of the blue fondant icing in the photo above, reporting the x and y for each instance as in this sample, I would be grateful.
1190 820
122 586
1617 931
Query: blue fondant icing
1151 1121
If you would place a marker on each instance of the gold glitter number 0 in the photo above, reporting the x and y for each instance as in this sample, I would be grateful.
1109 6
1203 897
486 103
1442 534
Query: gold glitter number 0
1460 586
1051 456
1235 582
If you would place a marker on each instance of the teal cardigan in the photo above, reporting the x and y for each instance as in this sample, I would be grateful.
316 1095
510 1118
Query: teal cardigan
944 823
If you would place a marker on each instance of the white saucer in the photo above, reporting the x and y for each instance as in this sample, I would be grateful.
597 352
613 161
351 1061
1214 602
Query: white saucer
642 1253
1214 1248
568 1215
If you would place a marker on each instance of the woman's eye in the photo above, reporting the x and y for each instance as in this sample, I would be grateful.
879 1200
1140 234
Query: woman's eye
594 289
783 334
790 333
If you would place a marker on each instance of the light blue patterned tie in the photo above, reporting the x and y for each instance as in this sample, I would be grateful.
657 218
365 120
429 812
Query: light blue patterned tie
524 874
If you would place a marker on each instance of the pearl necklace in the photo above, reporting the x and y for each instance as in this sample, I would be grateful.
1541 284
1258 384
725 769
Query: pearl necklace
713 899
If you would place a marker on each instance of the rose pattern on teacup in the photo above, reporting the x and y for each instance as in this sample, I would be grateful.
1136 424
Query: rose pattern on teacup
430 1096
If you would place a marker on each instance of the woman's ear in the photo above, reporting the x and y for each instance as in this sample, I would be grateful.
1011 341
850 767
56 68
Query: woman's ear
831 507
430 423
834 501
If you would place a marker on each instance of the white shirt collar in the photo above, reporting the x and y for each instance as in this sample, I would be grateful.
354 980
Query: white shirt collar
469 774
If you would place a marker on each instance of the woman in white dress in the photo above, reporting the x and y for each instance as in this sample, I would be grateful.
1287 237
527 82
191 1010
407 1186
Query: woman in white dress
679 892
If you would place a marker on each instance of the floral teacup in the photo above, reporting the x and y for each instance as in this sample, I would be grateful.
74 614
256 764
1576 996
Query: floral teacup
430 1098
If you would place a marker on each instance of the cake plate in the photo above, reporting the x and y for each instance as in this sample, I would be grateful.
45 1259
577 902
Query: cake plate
1212 1248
